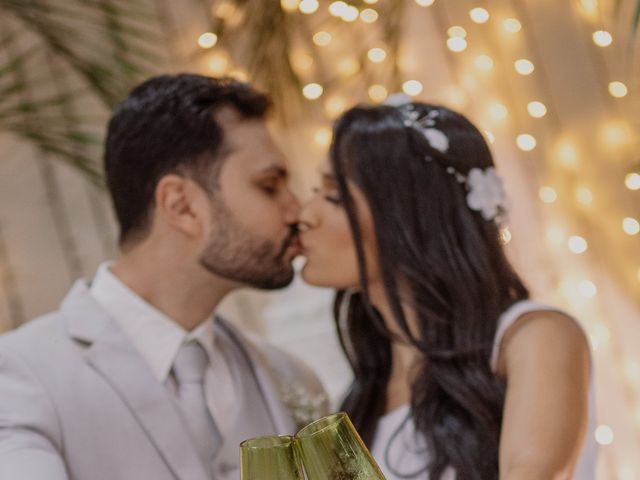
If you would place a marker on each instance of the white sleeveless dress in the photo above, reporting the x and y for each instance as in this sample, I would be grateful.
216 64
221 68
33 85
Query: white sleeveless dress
402 453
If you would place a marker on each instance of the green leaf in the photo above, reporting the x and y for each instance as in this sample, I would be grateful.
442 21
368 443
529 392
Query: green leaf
636 19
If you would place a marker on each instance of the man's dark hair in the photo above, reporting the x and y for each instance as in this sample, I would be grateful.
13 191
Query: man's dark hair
167 125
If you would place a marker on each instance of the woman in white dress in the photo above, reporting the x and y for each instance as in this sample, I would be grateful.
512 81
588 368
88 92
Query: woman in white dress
457 374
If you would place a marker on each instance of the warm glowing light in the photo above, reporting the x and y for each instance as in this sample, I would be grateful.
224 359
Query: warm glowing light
604 435
555 236
455 96
412 87
371 2
425 3
602 38
537 109
322 137
218 63
618 89
631 226
457 31
239 74
526 142
334 106
309 6
587 289
577 244
505 235
368 15
590 6
225 10
322 39
351 14
483 62
632 181
378 93
479 15
289 5
524 66
511 25
207 40
614 134
312 91
584 196
348 66
338 9
377 55
498 111
547 194
490 136
302 62
456 44
567 154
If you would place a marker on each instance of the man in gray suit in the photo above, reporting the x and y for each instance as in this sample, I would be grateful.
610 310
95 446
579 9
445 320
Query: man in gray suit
133 377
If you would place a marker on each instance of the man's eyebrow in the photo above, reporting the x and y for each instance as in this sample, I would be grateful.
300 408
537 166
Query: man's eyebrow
276 170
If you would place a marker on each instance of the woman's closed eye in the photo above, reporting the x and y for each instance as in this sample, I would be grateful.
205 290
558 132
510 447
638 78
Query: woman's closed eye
329 195
335 199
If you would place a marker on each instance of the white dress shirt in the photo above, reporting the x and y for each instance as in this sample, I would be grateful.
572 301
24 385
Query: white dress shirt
158 339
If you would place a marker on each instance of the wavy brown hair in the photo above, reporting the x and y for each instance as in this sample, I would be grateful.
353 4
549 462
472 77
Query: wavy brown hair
454 275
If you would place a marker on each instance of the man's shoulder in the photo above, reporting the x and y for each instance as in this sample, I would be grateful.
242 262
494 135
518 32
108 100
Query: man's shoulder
37 343
41 331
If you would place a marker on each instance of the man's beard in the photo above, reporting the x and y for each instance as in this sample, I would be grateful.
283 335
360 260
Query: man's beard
238 255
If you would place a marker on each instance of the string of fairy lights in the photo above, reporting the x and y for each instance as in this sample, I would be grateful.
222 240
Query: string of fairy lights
577 290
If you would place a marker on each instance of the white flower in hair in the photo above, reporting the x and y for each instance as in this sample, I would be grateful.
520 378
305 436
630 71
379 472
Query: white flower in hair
437 139
486 193
397 100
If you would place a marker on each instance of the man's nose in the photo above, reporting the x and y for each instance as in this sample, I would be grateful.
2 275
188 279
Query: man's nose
292 210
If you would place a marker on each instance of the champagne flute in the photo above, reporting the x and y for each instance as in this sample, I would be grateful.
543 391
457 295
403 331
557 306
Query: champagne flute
269 458
331 449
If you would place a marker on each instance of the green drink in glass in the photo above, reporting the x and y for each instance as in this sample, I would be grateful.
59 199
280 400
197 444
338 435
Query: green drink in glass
269 458
331 449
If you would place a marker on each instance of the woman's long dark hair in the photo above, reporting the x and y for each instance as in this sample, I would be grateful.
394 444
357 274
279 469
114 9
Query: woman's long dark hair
454 276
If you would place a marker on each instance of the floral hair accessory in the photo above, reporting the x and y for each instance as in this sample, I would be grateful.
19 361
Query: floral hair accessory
436 138
485 191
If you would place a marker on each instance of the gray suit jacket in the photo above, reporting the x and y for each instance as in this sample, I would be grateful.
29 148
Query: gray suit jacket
78 402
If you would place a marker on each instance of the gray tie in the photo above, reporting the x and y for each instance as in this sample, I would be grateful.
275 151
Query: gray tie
189 370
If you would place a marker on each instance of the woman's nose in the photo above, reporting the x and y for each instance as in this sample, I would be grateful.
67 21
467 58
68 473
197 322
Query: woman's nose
308 217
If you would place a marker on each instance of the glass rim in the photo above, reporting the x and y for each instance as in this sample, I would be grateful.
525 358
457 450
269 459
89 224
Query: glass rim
268 441
330 419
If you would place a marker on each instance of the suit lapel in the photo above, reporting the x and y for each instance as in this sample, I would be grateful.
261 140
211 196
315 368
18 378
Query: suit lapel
114 358
266 379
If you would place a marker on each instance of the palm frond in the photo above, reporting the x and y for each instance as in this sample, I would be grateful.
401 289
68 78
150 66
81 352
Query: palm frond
636 19
59 56
110 45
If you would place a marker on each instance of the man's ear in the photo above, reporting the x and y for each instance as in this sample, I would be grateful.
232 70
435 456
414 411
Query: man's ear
179 202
